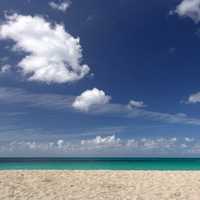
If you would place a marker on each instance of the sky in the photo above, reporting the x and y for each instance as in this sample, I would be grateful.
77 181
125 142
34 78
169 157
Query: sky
99 78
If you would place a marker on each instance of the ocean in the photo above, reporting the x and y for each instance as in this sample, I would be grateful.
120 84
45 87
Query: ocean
99 163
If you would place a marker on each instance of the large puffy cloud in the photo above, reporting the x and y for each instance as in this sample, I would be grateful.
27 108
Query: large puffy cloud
90 99
189 8
61 6
194 98
53 55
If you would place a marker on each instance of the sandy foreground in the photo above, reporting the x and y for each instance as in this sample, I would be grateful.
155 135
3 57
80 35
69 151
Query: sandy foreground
114 185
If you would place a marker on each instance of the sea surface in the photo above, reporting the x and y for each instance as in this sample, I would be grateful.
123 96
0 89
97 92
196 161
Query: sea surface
100 163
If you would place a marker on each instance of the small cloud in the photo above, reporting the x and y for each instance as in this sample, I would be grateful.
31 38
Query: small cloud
60 143
90 99
194 98
171 12
61 6
173 139
5 68
89 18
184 146
187 139
91 75
188 8
136 104
102 141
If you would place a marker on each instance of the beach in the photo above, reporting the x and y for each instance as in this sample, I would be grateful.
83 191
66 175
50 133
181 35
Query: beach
99 185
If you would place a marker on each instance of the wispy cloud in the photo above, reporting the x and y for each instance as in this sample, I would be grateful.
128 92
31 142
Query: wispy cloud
177 118
21 96
63 102
125 111
20 132
60 5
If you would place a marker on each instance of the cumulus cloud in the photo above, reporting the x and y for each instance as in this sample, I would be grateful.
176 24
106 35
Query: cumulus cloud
136 104
194 98
52 54
90 99
189 8
61 5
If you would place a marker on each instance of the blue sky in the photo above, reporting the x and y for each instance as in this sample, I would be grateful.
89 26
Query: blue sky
96 78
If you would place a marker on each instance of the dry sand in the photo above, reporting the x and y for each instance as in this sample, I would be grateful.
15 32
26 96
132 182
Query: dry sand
108 185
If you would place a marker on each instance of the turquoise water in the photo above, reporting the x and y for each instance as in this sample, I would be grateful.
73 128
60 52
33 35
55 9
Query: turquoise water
100 163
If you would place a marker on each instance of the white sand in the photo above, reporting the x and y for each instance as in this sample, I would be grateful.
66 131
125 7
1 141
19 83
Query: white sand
108 185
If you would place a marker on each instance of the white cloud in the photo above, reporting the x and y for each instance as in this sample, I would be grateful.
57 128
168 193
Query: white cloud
176 118
187 139
53 55
136 104
36 146
61 6
105 145
184 145
103 141
194 98
152 143
5 68
133 143
90 99
189 8
60 102
173 139
60 143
